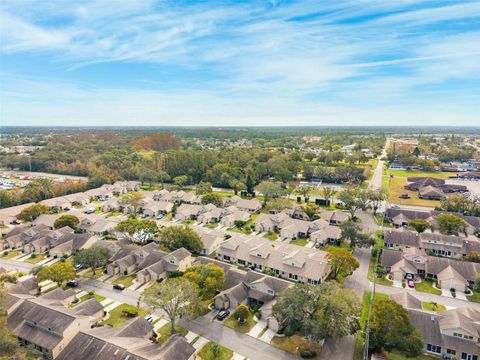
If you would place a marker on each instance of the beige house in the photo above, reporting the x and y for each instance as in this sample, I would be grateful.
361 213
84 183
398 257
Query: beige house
250 205
230 219
211 238
292 262
177 260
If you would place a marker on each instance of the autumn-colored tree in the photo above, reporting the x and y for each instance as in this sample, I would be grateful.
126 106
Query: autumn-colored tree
58 272
32 212
157 142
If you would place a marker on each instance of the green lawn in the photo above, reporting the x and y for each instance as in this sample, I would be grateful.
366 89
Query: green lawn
300 242
295 344
371 273
89 274
96 296
428 306
208 352
126 280
11 254
271 236
245 327
417 173
164 332
427 286
211 225
117 318
36 259
475 297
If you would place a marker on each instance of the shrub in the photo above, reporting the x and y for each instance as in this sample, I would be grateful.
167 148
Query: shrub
241 313
5 253
308 354
33 256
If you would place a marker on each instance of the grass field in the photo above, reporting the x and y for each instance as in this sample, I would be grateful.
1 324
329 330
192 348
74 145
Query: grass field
117 317
299 242
96 296
89 274
427 286
394 355
416 173
397 188
208 352
245 327
271 236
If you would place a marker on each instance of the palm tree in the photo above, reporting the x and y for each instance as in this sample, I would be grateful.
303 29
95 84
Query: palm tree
434 305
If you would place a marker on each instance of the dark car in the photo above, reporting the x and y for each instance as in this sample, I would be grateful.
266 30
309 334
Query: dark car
222 315
72 283
119 287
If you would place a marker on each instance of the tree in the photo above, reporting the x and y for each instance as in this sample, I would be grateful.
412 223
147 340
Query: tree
476 284
38 190
9 344
203 188
434 305
352 200
66 220
305 191
58 272
376 198
162 177
157 142
420 225
318 311
237 185
391 328
180 181
270 190
277 205
241 313
329 193
93 257
416 152
178 236
133 199
177 297
311 210
450 224
8 198
212 198
209 279
32 212
249 184
133 226
350 231
342 263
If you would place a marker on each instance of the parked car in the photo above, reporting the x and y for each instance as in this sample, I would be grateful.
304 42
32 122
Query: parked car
90 210
119 287
411 284
159 217
222 315
149 318
72 283
144 216
317 245
394 206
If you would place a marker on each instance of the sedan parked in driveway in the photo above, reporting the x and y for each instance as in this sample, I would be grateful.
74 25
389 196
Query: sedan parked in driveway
119 287
411 284
222 315
72 283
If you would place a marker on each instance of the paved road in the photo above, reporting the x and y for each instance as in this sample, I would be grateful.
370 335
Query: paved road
376 180
16 265
238 342
368 223
242 344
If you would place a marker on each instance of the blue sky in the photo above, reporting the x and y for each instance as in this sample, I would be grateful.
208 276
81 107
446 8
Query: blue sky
145 62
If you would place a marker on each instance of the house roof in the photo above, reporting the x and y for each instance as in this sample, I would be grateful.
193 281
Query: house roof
407 300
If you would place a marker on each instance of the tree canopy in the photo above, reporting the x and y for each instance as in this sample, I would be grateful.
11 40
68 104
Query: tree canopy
209 279
178 236
58 272
342 263
66 220
32 212
450 224
93 257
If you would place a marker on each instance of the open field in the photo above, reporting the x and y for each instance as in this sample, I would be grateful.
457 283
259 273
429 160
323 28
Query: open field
417 173
397 188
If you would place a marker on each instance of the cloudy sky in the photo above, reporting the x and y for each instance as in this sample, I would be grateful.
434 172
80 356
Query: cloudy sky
146 62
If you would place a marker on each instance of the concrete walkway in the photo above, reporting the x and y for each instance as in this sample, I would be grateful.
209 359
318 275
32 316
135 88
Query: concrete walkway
257 329
112 306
